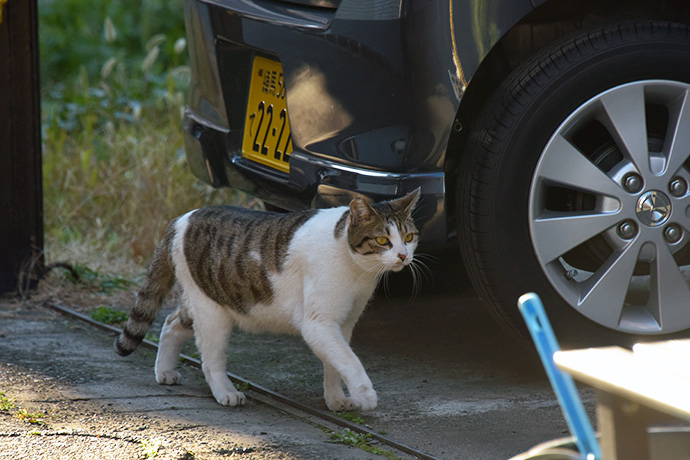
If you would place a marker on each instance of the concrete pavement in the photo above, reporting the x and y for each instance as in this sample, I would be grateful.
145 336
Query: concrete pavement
450 383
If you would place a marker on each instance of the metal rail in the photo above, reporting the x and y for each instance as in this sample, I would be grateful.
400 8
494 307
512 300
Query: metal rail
259 389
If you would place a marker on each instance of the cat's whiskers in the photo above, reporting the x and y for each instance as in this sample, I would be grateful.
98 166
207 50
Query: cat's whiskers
417 273
431 258
420 271
386 284
422 267
363 271
379 269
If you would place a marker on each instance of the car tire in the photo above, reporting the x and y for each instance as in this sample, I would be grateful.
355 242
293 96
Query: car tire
557 170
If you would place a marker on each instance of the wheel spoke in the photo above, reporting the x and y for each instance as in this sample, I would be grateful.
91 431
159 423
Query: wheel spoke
627 123
602 296
682 205
669 300
557 233
678 135
564 165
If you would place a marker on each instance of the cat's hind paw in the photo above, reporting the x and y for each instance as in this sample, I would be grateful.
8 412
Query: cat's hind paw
168 377
231 398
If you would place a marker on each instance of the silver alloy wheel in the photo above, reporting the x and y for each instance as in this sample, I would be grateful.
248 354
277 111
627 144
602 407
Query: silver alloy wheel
609 208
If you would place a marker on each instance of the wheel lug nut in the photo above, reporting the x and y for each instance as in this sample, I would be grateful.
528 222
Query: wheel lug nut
673 233
627 229
632 183
678 187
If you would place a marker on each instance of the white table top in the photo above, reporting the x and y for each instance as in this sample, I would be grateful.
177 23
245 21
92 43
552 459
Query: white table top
656 375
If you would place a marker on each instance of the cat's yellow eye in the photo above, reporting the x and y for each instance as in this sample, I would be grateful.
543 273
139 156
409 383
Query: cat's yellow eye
382 240
409 237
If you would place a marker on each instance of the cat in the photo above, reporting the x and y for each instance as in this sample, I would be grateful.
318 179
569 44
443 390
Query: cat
310 273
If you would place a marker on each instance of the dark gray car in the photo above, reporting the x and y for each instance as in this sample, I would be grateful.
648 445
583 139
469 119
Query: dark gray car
549 138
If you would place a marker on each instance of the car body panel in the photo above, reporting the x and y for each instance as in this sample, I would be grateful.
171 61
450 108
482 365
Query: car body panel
373 89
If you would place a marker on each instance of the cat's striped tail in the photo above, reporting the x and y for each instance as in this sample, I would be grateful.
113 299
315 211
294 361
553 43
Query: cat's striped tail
159 281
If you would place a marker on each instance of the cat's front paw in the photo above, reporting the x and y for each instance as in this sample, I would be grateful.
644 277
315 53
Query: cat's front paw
168 377
366 400
230 398
341 403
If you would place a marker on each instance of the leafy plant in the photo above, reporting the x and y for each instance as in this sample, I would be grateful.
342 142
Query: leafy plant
105 283
243 386
6 404
361 441
106 61
350 438
108 315
79 33
349 416
151 448
26 416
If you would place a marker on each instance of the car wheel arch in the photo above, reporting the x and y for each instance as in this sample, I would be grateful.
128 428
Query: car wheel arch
513 49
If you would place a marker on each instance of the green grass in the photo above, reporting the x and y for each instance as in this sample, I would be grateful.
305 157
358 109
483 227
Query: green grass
153 337
349 416
114 76
108 315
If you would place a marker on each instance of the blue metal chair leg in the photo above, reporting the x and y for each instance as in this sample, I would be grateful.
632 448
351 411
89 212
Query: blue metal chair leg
539 327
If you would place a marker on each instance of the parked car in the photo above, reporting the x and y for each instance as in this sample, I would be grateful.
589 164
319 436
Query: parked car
550 138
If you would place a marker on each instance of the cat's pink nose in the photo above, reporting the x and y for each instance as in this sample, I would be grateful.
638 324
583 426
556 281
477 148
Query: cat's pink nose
402 256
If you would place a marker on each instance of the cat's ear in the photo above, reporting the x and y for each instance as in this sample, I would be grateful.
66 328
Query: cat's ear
361 211
407 203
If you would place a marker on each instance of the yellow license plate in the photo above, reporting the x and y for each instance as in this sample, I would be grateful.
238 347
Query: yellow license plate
266 128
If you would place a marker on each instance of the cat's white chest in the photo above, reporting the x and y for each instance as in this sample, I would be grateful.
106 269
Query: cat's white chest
318 279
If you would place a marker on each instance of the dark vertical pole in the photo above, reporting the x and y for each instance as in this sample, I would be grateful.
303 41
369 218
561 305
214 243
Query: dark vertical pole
21 200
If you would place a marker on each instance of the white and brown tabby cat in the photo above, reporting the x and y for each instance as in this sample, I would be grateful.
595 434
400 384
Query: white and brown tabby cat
310 273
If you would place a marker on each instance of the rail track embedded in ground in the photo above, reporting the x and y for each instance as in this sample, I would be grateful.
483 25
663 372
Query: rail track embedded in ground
269 397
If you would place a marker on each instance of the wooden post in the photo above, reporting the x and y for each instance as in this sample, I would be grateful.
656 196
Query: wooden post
21 189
